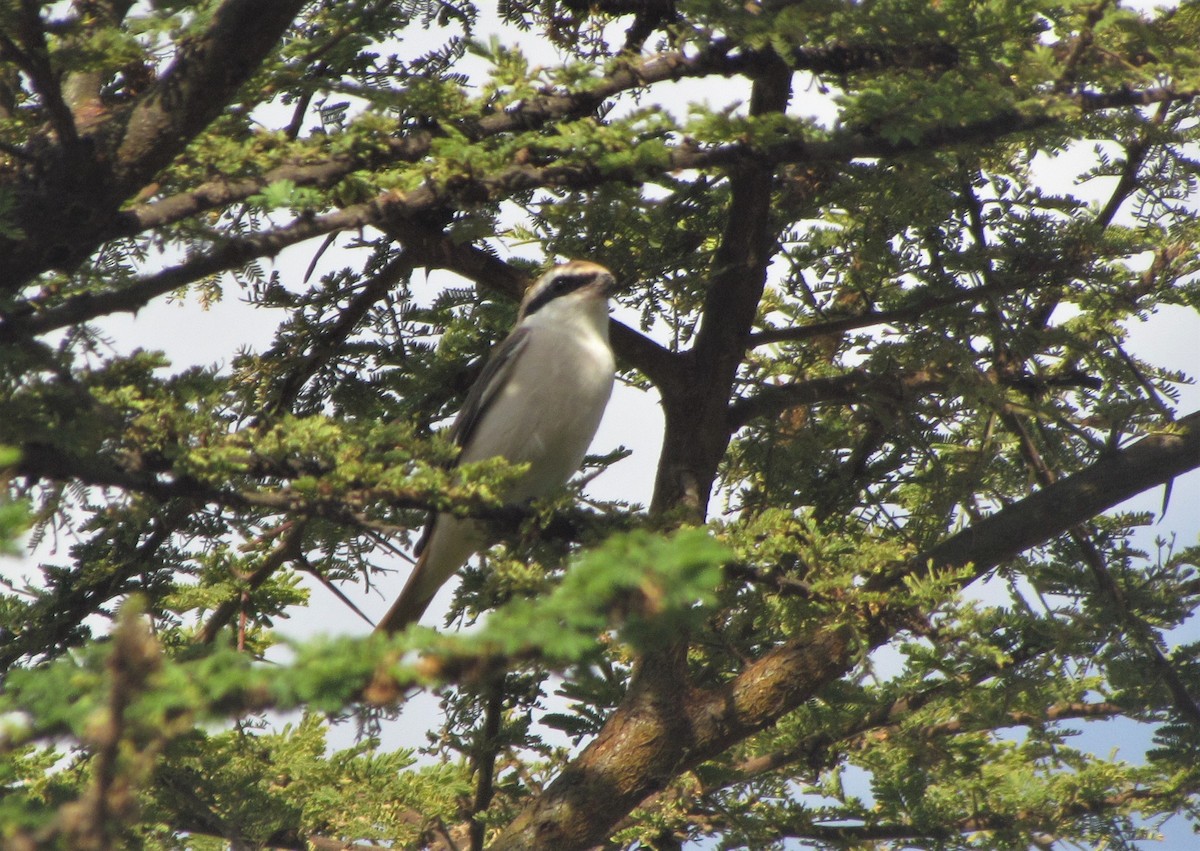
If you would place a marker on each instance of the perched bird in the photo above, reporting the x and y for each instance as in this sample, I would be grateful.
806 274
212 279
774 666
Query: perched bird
538 401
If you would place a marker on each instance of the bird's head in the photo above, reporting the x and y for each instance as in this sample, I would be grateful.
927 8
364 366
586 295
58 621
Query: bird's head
569 288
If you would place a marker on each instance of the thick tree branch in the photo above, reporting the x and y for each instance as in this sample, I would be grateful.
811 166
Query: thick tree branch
201 82
82 88
695 407
1051 511
69 205
621 767
180 104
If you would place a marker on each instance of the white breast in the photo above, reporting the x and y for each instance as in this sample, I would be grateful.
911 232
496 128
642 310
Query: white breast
550 407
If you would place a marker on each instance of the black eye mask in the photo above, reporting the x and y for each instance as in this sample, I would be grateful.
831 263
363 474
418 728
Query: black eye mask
560 286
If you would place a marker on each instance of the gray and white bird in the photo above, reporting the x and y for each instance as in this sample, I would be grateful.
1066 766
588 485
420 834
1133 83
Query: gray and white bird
538 401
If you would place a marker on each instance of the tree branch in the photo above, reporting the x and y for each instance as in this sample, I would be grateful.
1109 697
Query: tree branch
288 549
68 203
860 386
695 407
854 387
619 768
201 82
395 209
223 192
437 250
1154 460
1043 823
34 59
465 190
53 623
1141 634
919 309
326 343
717 59
228 255
153 133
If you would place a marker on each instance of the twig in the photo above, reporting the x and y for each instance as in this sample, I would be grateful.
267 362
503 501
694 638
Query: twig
287 549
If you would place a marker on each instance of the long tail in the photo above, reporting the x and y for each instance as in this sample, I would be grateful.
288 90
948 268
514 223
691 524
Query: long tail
452 542
411 604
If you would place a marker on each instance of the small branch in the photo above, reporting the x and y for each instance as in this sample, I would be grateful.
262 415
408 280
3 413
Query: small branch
1079 710
133 297
853 387
918 310
777 580
1127 184
1135 156
53 624
320 843
486 749
326 343
51 463
1042 824
286 550
34 60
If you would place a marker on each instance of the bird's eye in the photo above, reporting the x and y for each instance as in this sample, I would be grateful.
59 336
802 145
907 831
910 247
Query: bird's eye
566 283
558 287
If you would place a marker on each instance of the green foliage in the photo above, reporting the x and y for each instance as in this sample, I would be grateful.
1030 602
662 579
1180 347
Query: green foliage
305 787
14 514
661 587
875 318
663 582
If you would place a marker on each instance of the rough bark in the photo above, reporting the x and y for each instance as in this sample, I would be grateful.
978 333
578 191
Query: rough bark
69 196
646 741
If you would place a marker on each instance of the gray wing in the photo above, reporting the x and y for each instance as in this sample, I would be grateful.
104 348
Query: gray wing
479 398
491 380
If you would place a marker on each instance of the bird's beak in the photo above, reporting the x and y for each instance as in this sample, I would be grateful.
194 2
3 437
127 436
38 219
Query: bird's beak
607 284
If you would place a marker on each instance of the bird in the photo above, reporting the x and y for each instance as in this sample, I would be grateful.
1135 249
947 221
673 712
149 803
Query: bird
538 401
